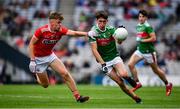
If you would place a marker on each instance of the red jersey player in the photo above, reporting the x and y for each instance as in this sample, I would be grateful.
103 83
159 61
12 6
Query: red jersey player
42 56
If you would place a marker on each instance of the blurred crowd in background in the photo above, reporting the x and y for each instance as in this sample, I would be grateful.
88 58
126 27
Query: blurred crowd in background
19 19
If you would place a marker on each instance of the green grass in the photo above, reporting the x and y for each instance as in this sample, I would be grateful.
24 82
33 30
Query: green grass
59 96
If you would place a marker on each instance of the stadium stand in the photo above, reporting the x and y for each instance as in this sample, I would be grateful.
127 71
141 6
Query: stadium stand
19 18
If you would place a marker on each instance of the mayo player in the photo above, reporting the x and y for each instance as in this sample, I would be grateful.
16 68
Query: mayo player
146 50
103 47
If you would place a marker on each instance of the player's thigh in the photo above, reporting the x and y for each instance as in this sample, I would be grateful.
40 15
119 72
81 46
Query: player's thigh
58 66
114 76
134 59
120 69
43 78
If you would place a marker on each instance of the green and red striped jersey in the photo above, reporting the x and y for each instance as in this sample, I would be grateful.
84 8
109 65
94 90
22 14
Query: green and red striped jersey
143 31
106 44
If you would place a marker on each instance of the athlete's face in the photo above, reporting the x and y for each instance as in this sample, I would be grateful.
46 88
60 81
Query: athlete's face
142 18
101 23
55 24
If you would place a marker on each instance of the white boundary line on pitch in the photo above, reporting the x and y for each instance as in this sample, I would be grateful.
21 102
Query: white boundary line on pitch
29 96
42 97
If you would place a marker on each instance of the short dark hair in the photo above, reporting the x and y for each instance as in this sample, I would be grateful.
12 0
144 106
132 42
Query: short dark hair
56 15
143 12
102 14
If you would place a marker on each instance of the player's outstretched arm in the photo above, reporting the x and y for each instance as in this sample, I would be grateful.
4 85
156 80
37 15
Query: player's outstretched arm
76 33
31 47
32 64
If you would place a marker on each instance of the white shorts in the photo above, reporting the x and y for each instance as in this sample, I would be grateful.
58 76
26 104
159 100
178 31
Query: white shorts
149 57
43 62
111 63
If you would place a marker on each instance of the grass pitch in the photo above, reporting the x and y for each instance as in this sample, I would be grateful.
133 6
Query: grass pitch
59 96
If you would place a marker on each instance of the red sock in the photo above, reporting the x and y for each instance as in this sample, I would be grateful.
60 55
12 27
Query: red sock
76 95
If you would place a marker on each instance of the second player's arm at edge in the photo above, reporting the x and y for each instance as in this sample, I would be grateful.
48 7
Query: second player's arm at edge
152 38
76 33
31 47
96 53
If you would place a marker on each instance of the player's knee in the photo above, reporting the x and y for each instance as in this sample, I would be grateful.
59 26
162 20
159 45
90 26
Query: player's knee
130 65
124 75
45 85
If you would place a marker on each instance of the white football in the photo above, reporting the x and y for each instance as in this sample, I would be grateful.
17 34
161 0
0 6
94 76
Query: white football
120 34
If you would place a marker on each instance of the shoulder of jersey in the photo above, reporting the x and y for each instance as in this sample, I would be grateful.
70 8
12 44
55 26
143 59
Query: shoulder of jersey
147 24
94 28
109 27
44 28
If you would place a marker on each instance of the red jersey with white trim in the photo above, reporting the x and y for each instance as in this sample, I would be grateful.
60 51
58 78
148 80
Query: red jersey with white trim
47 40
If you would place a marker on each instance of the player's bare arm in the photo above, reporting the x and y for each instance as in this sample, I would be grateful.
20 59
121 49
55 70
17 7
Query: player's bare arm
31 47
152 38
96 53
76 33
